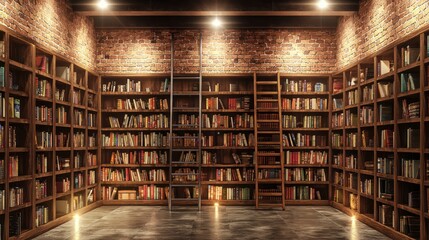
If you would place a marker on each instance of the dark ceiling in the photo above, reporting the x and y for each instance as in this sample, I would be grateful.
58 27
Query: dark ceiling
199 13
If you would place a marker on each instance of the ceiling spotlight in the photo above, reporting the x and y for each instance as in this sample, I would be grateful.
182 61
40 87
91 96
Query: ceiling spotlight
323 4
102 4
216 22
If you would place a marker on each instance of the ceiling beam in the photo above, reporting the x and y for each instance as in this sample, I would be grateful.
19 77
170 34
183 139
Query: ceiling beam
215 13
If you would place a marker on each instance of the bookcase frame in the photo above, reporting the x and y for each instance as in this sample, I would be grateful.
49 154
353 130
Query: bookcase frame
402 185
29 50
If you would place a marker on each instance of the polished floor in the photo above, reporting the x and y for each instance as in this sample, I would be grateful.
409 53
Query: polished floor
146 222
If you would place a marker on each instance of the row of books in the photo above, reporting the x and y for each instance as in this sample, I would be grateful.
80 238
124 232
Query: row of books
385 189
12 140
185 175
305 174
385 89
44 139
43 63
224 121
304 140
41 189
79 140
233 174
304 104
129 86
368 93
92 177
351 180
41 163
216 103
306 157
269 174
410 110
14 166
78 180
92 119
303 86
78 117
308 121
410 168
302 193
139 157
133 175
352 97
78 202
385 164
77 97
63 185
351 139
142 104
14 107
43 114
229 140
43 88
366 139
367 115
185 140
351 161
351 118
337 120
409 82
60 94
367 186
140 121
229 193
42 215
16 196
337 140
135 140
338 178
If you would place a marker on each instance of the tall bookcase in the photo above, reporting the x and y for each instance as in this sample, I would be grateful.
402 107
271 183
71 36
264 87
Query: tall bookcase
37 189
135 138
305 122
228 139
385 184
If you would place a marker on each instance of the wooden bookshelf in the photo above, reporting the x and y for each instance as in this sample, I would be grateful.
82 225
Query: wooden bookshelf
135 125
228 172
28 82
305 123
392 148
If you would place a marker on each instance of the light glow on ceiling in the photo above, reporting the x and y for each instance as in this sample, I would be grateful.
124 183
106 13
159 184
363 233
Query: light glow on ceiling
103 4
323 4
216 22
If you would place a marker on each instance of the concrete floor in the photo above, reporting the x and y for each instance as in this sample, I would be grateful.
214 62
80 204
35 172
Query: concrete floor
146 222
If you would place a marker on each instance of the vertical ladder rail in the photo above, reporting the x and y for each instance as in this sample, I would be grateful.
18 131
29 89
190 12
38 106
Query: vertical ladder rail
196 149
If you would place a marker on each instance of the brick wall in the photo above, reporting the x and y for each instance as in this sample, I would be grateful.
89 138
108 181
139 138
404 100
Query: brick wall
377 24
53 25
224 51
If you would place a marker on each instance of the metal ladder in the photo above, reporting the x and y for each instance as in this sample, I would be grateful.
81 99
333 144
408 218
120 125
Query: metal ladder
185 137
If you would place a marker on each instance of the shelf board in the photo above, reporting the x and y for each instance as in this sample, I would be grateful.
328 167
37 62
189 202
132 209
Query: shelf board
43 200
306 165
384 76
229 147
20 65
42 175
210 182
134 129
307 202
409 180
306 129
228 202
304 111
383 175
304 93
221 93
409 209
63 125
227 129
307 182
367 172
385 201
133 183
64 103
351 170
366 103
226 165
134 165
133 93
408 150
18 149
269 181
20 178
63 194
134 148
19 120
19 207
370 149
366 195
135 202
409 93
305 148
411 66
134 111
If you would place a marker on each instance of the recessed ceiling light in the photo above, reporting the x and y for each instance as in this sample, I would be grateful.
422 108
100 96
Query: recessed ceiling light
323 4
216 22
103 4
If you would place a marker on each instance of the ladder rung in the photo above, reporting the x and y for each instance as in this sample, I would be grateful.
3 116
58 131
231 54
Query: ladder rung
268 132
270 205
185 150
268 154
266 93
267 83
184 137
268 143
269 121
184 199
184 162
270 194
185 78
184 174
184 185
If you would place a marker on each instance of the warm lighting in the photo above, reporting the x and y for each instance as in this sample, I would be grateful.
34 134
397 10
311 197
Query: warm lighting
76 217
216 204
323 4
216 22
353 218
103 4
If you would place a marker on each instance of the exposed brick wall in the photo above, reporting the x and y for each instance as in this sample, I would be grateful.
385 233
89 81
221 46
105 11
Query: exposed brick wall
53 25
377 24
224 51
